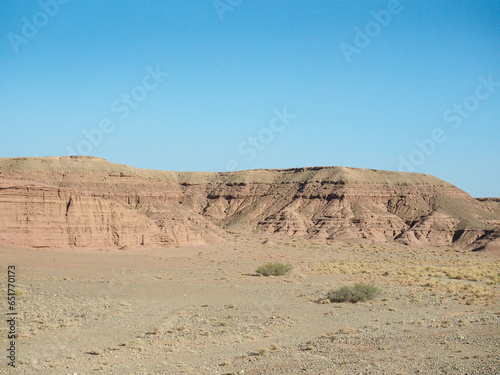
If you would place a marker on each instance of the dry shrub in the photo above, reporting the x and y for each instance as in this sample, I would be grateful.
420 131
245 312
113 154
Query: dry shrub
357 293
274 269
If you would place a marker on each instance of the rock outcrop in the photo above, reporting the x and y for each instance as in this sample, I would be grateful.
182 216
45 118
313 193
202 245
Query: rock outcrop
90 202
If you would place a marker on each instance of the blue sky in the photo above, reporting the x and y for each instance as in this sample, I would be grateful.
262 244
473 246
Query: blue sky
209 86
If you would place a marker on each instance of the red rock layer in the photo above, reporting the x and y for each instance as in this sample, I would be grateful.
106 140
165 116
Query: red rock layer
89 202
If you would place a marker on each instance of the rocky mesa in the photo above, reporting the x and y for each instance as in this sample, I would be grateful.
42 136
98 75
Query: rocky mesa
91 202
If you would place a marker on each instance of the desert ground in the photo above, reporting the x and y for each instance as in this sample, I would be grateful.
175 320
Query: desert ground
204 310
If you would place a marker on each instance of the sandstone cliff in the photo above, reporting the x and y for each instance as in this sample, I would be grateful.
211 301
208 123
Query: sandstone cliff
90 202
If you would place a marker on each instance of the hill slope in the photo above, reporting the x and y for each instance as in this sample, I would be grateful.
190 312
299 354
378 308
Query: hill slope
90 202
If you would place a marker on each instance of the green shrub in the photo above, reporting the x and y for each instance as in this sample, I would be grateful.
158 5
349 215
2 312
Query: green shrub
358 293
274 269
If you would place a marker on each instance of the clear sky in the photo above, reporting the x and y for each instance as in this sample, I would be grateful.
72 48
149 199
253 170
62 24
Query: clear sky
202 85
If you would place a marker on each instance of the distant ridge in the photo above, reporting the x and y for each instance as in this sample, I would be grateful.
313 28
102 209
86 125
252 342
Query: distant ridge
90 202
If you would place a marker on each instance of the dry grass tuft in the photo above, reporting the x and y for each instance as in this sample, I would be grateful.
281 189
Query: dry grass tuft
274 269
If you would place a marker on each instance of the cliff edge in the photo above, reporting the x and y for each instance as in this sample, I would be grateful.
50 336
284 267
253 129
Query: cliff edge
91 202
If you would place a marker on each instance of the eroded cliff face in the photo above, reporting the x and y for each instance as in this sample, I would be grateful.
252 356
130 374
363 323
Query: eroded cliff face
90 202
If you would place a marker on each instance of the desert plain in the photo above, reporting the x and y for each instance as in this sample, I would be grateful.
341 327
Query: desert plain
204 310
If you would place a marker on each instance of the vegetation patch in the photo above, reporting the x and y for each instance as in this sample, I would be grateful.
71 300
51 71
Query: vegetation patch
353 294
274 269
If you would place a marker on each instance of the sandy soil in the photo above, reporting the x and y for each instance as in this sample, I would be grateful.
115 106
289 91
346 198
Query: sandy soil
203 310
